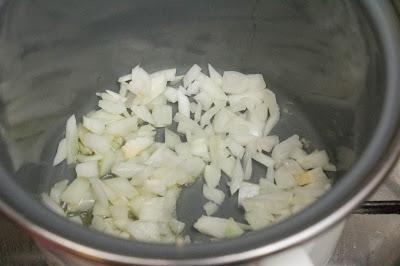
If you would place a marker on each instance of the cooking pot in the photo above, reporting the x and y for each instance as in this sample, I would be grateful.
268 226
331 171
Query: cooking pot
334 66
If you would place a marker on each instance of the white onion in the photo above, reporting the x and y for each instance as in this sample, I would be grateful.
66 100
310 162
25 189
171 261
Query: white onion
191 75
75 191
135 146
218 227
95 125
71 136
212 175
122 170
183 105
112 107
127 169
214 75
234 82
162 115
99 144
143 113
171 94
210 208
213 194
122 127
62 152
87 169
247 190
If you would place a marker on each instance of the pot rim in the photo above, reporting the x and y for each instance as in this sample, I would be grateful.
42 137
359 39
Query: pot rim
364 177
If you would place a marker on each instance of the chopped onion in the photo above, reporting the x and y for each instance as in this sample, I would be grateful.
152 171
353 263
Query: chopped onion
130 182
143 113
183 105
162 115
61 153
87 169
218 227
212 175
71 136
213 194
234 82
191 75
210 208
135 146
214 75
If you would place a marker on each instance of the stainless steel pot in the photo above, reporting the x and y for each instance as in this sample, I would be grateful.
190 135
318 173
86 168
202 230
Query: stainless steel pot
333 64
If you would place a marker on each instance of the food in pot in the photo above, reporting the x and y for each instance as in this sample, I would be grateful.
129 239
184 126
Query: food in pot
129 178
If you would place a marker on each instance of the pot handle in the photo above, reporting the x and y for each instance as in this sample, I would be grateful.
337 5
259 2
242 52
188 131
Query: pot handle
295 256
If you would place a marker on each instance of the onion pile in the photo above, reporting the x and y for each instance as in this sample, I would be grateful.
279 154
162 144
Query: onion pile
127 183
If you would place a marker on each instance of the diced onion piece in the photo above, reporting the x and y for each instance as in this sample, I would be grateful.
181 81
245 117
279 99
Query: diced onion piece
162 115
52 205
134 146
193 88
99 144
314 160
212 89
127 169
171 139
106 163
214 75
236 149
194 166
87 169
284 179
227 164
99 192
176 226
71 136
210 208
247 190
168 74
144 231
273 109
95 125
143 113
76 191
213 194
57 189
258 219
204 99
209 114
121 186
236 177
199 148
218 227
61 153
171 94
221 121
112 107
141 81
256 81
263 159
212 175
122 127
234 82
267 143
284 149
191 75
183 105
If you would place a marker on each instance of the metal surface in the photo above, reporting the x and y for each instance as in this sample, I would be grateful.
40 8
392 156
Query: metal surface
323 56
